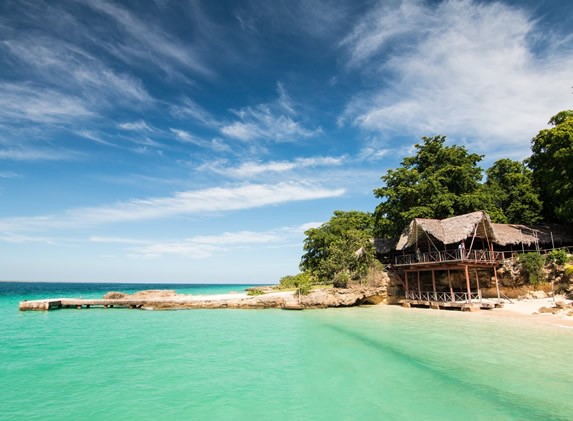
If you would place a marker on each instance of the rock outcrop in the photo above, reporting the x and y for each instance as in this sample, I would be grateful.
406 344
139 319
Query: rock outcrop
317 298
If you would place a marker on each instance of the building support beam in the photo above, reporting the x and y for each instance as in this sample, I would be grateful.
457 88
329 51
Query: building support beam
468 283
434 285
496 284
419 288
477 283
451 289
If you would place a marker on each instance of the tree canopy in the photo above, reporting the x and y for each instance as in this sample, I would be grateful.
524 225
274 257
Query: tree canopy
438 182
340 249
510 187
552 165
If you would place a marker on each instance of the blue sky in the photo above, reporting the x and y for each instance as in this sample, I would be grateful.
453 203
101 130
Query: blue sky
195 141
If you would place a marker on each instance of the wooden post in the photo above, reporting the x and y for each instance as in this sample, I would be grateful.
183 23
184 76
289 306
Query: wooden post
468 283
406 276
419 288
496 284
477 283
451 289
434 285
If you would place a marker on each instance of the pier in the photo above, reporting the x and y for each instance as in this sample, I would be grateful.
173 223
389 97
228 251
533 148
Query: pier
79 303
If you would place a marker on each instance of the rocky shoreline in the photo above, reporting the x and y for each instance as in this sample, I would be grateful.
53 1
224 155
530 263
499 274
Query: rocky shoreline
318 298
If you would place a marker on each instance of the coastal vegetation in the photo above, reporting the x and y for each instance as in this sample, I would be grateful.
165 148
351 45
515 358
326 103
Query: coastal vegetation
440 181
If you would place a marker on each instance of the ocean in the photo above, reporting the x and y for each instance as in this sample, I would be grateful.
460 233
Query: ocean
367 363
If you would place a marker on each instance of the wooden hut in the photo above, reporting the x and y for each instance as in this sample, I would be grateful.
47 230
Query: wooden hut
465 243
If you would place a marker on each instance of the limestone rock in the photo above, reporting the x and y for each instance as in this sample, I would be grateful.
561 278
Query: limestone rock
114 295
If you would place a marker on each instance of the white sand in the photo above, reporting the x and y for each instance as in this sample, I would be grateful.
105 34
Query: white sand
529 308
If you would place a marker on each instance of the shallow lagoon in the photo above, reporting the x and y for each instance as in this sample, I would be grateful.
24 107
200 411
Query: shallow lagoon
359 363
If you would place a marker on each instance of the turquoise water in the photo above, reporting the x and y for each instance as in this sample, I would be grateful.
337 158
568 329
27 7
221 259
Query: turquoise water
360 363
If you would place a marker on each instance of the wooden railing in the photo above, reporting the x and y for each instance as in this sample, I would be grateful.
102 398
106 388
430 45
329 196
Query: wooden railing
444 296
459 255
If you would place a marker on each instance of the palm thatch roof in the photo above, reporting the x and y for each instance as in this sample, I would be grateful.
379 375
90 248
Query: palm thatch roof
446 231
459 228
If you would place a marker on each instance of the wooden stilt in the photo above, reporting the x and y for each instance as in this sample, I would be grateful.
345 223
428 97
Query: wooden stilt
451 289
496 284
406 278
419 288
477 283
468 283
434 285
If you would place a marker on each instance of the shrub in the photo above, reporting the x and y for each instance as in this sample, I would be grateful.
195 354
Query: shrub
532 264
255 291
341 280
290 281
559 257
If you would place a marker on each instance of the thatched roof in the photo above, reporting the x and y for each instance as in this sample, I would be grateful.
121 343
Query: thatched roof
446 231
458 228
512 234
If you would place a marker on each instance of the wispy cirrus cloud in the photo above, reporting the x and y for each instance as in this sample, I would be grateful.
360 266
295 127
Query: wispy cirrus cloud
149 41
138 125
251 169
189 108
275 121
72 69
194 202
201 247
466 69
215 144
28 102
33 153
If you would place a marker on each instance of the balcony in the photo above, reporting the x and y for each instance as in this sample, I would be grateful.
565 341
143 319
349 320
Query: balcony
461 256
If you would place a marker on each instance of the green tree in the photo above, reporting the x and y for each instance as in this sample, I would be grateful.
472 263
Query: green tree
510 187
438 182
339 248
552 165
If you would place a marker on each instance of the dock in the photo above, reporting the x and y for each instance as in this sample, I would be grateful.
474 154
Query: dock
79 303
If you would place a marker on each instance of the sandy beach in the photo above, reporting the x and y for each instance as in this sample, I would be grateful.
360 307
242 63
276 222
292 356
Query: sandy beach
529 308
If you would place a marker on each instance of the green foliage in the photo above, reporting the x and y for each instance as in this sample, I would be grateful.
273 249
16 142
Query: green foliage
438 182
255 292
532 264
290 281
341 280
341 245
552 165
305 287
559 257
510 187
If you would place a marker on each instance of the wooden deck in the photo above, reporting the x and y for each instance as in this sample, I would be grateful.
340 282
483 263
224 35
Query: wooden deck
451 305
452 257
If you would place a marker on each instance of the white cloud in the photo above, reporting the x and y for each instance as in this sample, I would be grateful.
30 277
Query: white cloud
251 169
460 68
153 42
26 102
36 154
195 202
139 125
116 240
201 247
190 108
270 121
91 135
73 69
8 174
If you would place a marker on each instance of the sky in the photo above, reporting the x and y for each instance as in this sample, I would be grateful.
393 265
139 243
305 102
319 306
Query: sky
193 141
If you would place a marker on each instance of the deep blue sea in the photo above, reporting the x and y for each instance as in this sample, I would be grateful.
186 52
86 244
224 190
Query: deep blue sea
369 363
